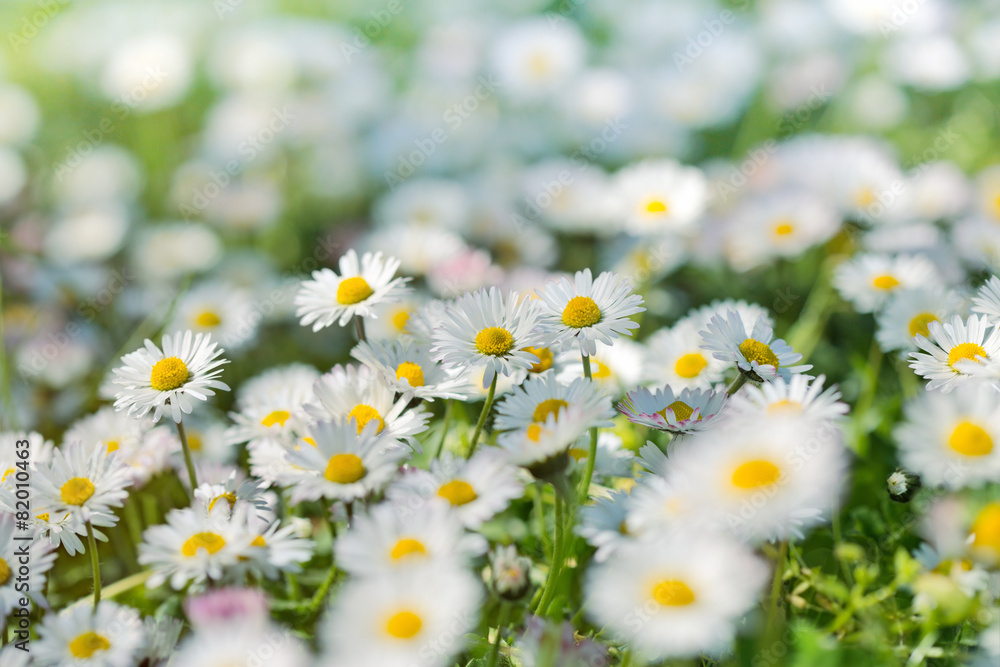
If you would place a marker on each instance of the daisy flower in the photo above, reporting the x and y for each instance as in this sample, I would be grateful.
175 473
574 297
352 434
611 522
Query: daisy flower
406 619
866 281
674 356
588 310
688 411
279 414
908 313
954 349
486 328
242 643
475 490
42 556
542 396
757 356
409 370
344 464
602 524
797 396
542 441
187 368
658 196
359 287
677 594
294 381
750 313
659 506
387 539
109 429
274 549
85 482
984 535
227 313
233 495
359 396
762 480
987 299
952 439
80 636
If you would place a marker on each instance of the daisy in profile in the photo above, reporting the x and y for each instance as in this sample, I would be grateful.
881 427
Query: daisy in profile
658 196
759 356
360 396
186 369
474 490
388 538
407 619
359 287
542 396
674 356
109 636
956 351
867 281
797 396
987 299
487 328
541 441
907 314
409 370
952 439
586 311
85 482
685 412
676 594
344 464
274 549
226 313
761 479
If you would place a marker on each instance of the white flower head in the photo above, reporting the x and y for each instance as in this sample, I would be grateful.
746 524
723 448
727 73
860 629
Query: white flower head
408 368
908 312
684 412
674 356
81 636
987 299
759 356
542 396
956 351
83 481
867 281
797 396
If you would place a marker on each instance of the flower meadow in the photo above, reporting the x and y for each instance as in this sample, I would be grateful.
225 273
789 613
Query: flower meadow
532 334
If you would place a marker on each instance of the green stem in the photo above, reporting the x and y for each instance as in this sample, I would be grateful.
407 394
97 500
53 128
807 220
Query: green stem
779 571
557 552
444 428
740 380
588 470
482 416
501 626
627 659
188 462
92 546
324 588
867 396
359 328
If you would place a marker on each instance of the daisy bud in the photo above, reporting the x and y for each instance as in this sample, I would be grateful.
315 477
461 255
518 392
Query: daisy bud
510 573
903 485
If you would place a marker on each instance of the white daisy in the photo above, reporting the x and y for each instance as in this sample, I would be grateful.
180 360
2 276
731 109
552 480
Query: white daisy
39 451
659 506
984 535
111 430
80 636
484 327
907 313
393 319
674 356
952 439
954 349
359 396
535 57
406 619
987 299
602 524
797 396
344 464
278 414
359 287
83 481
685 412
293 380
41 555
750 314
658 196
676 594
543 440
187 368
55 528
762 480
274 549
757 356
386 539
867 280
542 396
233 495
225 312
409 369
589 310
475 490
242 643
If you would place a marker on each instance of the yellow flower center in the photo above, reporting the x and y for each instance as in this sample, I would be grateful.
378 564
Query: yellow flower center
210 542
784 406
353 290
884 282
545 358
168 373
404 625
551 406
258 541
112 446
6 472
344 469
754 350
400 319
690 365
494 341
986 529
407 547
534 432
580 312
970 440
864 196
673 593
208 319
44 516
538 64
362 414
682 411
228 497
194 441
918 325
4 572
457 492
965 351
783 228
755 474
598 369
76 491
657 206
278 417
410 372
87 644
577 453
